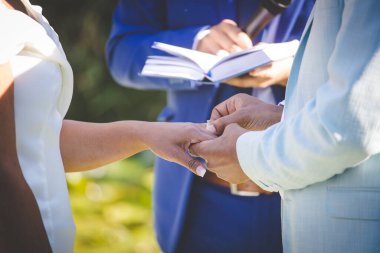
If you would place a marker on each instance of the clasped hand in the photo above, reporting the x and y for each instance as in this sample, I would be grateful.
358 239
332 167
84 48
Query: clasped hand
229 120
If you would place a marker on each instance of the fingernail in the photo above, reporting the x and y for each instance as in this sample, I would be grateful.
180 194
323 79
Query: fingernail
201 171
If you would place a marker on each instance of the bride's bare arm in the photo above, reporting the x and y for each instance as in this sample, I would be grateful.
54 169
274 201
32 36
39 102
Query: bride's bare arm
90 145
21 227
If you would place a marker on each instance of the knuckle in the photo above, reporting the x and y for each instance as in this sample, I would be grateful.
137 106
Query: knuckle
230 22
238 97
225 21
217 28
222 122
242 95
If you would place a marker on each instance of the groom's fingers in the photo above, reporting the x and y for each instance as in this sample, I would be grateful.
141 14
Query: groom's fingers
199 149
186 160
221 123
219 111
199 132
223 109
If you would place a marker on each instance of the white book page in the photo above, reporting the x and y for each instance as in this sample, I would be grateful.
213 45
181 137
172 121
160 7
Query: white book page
243 52
203 60
278 51
159 61
170 71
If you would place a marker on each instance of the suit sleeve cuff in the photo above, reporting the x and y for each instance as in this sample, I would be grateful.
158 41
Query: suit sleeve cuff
245 147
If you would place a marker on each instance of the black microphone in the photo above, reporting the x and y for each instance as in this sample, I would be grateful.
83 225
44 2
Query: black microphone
267 10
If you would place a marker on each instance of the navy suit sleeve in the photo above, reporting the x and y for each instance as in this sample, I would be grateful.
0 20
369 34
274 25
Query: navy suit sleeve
136 25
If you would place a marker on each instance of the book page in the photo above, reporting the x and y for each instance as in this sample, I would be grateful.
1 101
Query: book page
243 52
278 51
194 65
156 67
172 61
203 60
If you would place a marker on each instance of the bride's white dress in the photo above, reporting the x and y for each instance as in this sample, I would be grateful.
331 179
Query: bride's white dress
43 90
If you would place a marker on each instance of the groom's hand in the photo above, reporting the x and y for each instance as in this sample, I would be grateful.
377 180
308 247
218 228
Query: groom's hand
220 154
247 111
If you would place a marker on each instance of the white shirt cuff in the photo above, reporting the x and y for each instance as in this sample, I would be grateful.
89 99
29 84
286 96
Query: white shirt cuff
200 35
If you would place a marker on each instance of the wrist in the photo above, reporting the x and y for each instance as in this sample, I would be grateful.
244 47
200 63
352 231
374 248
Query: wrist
137 132
278 110
273 117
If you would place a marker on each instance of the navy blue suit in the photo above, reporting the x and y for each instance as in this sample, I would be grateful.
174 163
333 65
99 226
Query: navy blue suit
185 206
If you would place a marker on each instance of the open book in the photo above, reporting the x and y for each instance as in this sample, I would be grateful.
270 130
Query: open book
194 65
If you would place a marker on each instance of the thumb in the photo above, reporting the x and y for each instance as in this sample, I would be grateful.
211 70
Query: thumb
221 123
190 162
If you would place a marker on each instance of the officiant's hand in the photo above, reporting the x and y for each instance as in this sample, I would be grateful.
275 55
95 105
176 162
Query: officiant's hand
245 110
262 77
220 154
171 141
223 39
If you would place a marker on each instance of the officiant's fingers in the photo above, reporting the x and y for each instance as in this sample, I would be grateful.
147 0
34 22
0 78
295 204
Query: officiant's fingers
225 42
248 81
218 35
241 39
211 46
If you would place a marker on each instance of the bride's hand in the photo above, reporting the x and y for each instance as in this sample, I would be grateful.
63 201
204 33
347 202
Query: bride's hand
171 142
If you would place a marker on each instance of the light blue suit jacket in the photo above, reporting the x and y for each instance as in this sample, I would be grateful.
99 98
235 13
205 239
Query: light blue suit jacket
324 156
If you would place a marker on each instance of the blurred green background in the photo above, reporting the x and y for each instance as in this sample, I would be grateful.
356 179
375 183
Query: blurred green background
112 205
